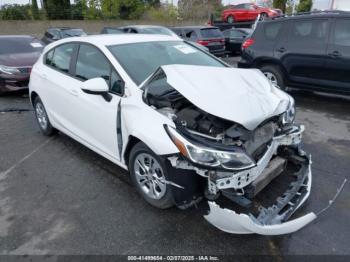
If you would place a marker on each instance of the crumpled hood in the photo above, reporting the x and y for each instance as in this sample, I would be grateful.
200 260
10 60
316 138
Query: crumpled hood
243 96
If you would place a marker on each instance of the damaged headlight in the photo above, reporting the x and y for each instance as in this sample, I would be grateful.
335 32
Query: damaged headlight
289 116
209 157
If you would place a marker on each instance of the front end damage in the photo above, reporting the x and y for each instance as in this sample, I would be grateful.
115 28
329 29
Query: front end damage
251 208
250 169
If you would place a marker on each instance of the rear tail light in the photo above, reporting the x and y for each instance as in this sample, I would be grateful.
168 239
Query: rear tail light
222 41
247 43
201 42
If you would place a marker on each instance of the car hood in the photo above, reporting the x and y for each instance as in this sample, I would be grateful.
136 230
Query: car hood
19 59
243 96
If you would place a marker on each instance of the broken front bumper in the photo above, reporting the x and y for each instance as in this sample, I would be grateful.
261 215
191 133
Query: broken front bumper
269 221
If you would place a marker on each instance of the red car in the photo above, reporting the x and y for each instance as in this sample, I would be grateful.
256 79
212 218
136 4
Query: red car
18 53
247 12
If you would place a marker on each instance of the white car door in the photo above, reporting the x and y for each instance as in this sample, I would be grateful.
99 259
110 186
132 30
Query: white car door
94 117
56 83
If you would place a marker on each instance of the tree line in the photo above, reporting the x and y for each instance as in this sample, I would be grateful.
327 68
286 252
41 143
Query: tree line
126 9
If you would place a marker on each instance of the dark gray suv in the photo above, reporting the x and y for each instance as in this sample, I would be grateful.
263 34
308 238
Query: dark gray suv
310 51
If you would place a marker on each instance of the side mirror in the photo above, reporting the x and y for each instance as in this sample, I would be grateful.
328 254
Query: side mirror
97 86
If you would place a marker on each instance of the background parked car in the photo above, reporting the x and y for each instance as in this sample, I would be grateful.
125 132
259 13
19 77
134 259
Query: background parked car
234 38
247 12
57 33
208 36
309 51
112 30
17 56
147 29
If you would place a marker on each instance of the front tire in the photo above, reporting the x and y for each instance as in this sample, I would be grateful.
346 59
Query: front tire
275 75
42 118
230 19
149 175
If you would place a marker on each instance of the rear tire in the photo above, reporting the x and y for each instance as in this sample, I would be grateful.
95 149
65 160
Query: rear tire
275 75
230 19
148 172
263 16
42 118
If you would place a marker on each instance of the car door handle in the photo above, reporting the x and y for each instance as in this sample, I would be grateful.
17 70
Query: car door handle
74 92
43 76
335 54
281 50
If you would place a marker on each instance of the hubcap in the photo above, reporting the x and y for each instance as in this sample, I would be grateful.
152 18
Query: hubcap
41 115
150 176
272 78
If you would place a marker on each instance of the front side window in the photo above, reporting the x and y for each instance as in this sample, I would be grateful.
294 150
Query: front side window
62 56
309 31
342 32
91 63
140 60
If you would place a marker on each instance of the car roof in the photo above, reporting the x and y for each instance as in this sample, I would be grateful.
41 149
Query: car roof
316 14
65 28
145 26
195 27
118 39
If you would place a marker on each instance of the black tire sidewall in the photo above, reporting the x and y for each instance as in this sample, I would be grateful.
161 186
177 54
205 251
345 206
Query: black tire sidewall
167 200
49 130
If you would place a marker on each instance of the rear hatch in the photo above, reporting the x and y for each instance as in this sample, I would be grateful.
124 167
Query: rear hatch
212 38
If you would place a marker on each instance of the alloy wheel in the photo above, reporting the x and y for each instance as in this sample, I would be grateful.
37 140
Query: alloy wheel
150 176
41 115
272 78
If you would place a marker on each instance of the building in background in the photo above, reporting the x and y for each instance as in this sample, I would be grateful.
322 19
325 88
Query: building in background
331 5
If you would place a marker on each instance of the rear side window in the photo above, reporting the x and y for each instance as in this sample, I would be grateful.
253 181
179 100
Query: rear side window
61 57
272 30
342 32
309 31
211 33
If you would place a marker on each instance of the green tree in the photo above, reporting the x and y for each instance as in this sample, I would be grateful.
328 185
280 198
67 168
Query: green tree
131 9
35 10
78 9
57 9
280 4
110 8
15 12
199 9
304 6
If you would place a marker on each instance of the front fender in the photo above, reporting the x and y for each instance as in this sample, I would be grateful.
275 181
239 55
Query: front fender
146 124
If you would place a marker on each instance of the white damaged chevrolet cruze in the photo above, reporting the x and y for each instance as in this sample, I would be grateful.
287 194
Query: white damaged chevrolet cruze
187 126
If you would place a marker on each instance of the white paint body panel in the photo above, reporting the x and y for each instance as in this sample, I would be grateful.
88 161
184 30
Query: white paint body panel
243 96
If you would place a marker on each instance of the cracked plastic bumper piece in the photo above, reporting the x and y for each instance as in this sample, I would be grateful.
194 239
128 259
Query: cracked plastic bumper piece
269 222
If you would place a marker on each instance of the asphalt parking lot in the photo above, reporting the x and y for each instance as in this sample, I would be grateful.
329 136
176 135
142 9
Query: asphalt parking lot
58 197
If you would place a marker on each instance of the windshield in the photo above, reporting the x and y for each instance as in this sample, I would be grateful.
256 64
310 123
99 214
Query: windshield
17 45
157 30
211 33
73 32
140 60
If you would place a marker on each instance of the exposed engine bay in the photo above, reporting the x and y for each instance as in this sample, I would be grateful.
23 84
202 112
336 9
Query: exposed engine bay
236 166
